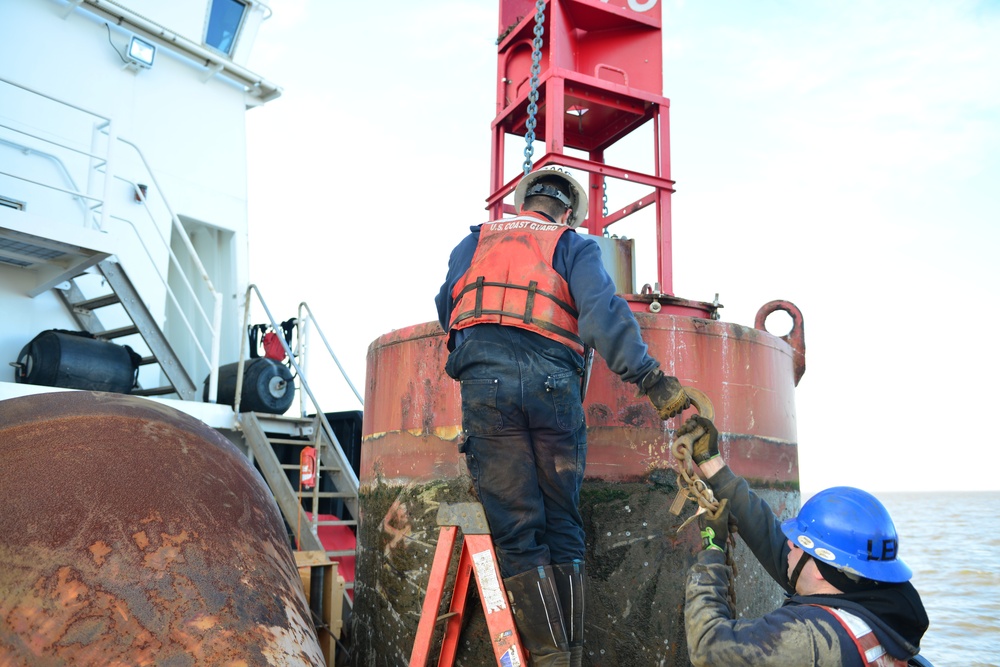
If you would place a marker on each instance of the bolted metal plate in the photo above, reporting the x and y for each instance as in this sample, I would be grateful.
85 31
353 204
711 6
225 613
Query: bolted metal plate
470 517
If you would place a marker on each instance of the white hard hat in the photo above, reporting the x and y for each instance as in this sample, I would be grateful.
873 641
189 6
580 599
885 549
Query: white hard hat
577 200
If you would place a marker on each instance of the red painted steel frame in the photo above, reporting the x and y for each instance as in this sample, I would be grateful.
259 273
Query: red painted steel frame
604 57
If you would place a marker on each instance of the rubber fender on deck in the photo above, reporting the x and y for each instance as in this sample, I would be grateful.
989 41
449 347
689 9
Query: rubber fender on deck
267 386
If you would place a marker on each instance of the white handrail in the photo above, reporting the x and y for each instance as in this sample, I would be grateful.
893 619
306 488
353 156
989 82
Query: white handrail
216 325
76 194
312 318
303 383
35 91
174 220
170 293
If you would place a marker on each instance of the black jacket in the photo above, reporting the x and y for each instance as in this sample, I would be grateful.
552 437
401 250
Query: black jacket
800 632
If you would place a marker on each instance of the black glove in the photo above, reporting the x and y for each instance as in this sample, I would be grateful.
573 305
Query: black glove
715 527
707 446
665 393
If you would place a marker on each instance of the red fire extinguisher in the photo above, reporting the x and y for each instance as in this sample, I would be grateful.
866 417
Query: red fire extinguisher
307 463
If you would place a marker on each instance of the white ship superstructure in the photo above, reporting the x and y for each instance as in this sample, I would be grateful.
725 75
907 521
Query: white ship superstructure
124 249
123 149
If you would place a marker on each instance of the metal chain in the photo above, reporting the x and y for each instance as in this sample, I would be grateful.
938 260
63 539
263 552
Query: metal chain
604 202
698 490
694 485
536 68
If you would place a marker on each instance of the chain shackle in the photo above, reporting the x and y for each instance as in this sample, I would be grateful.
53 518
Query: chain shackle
682 449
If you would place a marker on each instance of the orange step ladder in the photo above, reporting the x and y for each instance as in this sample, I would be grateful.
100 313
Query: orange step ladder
479 558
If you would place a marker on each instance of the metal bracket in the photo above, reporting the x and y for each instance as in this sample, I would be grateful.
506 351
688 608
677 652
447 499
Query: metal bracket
470 517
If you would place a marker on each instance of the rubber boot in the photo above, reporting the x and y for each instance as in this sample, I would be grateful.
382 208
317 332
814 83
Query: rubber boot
571 582
534 600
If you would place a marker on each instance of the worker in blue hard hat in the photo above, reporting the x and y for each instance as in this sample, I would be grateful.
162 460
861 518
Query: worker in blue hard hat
523 301
849 597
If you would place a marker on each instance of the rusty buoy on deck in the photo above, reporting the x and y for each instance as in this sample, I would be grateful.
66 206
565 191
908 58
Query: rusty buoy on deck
134 534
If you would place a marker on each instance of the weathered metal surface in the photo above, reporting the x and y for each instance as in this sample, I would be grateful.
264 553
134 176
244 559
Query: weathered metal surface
618 258
412 425
795 337
636 561
132 534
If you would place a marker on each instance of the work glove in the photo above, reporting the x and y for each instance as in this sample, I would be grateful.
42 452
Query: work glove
665 393
715 526
707 446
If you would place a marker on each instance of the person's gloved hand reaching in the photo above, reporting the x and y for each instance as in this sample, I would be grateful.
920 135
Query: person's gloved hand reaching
707 446
665 393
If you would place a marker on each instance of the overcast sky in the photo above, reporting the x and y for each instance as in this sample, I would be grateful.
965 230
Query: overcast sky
843 155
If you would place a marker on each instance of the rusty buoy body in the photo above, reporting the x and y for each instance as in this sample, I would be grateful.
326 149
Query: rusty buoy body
133 534
636 560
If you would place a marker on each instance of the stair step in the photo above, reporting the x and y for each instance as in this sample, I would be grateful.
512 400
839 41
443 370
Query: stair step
154 391
325 494
295 466
119 332
339 522
146 361
148 327
291 441
97 302
267 416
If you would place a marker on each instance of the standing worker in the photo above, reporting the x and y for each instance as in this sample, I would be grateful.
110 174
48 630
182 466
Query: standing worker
524 298
849 601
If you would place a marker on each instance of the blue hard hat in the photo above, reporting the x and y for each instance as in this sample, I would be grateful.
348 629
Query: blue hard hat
849 529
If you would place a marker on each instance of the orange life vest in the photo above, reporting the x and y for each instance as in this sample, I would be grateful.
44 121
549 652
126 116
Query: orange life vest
511 282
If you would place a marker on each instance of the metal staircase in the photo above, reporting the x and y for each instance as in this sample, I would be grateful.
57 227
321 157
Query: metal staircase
123 293
264 433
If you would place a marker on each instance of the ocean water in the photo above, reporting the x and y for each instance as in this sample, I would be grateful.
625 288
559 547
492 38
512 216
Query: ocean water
951 540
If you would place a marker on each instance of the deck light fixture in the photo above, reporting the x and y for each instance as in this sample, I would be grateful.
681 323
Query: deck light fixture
140 53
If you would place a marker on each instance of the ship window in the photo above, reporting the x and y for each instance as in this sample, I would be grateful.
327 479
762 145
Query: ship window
224 20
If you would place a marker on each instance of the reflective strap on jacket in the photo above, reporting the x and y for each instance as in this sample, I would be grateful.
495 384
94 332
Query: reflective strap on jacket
871 650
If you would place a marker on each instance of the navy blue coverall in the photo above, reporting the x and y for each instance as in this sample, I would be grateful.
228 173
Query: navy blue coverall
522 409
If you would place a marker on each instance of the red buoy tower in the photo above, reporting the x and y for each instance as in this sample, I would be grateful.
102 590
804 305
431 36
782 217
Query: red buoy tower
592 79
599 78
